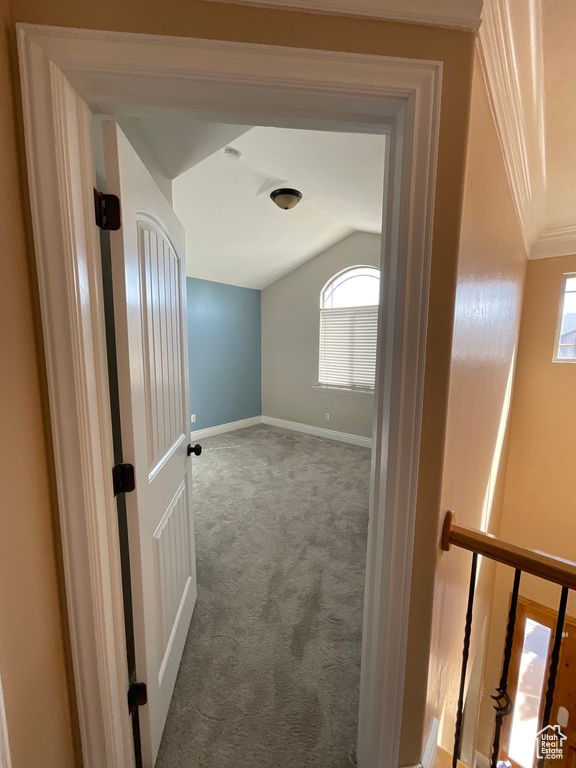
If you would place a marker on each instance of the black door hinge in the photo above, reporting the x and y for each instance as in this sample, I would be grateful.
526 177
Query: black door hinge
107 210
123 478
137 696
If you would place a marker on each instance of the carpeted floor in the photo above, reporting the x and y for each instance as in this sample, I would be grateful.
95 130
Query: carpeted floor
270 672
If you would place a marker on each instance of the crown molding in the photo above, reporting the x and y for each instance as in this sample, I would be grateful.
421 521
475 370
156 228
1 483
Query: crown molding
556 241
510 47
454 14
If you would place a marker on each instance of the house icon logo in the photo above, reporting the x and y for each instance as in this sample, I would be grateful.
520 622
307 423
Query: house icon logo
549 743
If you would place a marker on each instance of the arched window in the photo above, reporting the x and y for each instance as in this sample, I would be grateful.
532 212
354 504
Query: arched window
348 329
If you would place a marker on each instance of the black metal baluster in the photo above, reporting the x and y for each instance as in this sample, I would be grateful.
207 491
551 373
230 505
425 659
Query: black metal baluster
554 658
465 654
503 701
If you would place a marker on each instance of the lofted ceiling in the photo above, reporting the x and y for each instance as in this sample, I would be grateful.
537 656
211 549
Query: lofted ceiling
234 232
179 144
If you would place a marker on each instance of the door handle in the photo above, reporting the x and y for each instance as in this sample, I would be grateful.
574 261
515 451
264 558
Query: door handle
194 449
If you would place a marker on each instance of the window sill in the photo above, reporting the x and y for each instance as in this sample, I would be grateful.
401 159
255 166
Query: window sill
343 390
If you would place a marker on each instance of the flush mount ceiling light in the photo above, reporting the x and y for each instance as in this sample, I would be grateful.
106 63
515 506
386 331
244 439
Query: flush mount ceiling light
286 198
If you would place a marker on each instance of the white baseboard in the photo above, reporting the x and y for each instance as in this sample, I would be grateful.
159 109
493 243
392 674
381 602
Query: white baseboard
330 434
430 747
482 761
198 434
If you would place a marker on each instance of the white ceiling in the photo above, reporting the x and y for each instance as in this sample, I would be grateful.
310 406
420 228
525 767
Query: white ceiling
234 232
181 144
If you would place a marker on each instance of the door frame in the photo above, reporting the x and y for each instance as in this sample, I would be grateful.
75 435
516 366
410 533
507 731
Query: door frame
5 759
63 70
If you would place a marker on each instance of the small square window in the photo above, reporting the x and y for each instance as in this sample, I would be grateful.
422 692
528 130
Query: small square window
565 351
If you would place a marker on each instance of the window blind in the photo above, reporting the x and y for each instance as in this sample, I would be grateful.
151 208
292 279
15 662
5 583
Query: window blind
348 347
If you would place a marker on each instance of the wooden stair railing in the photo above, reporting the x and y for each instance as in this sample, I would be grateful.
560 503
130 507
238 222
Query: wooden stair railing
541 564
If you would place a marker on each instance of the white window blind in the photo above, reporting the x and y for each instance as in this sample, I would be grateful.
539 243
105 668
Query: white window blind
348 347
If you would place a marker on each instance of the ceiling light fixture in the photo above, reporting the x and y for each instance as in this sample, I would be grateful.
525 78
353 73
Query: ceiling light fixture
286 198
232 153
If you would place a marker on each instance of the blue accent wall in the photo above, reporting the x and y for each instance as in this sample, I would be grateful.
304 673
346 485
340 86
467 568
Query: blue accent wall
224 352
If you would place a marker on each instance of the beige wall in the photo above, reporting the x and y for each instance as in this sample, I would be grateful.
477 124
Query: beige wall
487 317
228 22
540 475
538 505
290 339
32 643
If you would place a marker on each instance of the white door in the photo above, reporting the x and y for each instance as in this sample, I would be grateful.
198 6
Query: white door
149 276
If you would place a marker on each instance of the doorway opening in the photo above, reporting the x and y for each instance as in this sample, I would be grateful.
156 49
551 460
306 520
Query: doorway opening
281 321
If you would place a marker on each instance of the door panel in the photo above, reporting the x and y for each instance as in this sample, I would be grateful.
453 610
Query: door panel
149 274
174 563
162 316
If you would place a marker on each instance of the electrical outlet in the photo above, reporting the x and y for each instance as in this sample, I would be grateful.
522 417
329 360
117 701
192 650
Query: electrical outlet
193 418
327 417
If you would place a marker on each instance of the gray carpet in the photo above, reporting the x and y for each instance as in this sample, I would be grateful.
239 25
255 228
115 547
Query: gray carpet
270 672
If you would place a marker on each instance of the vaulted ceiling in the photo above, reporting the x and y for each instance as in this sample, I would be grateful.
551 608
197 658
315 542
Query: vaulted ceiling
234 232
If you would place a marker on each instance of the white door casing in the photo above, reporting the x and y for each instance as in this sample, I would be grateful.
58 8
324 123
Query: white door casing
63 70
149 286
5 759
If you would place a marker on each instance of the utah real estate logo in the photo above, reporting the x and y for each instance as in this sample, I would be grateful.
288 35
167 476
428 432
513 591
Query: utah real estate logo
549 743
